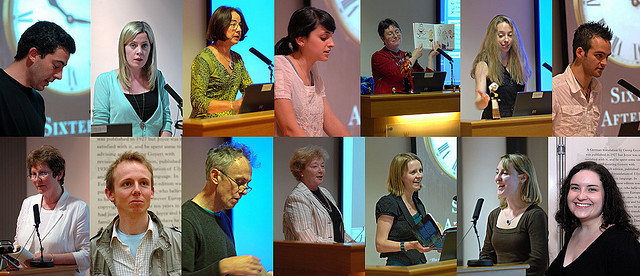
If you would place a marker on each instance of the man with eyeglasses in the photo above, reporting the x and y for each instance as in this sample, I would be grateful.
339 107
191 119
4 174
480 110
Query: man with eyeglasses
207 238
135 242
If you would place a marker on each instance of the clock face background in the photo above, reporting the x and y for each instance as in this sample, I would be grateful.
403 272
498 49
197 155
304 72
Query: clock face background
621 16
66 100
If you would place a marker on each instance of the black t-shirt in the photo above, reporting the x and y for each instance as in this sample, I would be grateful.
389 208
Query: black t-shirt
402 227
21 109
506 93
145 104
615 252
334 214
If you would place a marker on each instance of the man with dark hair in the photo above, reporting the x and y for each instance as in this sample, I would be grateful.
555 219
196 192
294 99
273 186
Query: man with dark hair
135 242
577 98
43 50
207 238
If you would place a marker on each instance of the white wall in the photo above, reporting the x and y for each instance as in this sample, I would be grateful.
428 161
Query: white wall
108 17
194 31
476 15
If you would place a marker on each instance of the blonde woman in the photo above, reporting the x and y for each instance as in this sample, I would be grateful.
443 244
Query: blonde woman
134 93
501 60
399 211
517 230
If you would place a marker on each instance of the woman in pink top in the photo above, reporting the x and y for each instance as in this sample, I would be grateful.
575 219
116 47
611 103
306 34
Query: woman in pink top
301 107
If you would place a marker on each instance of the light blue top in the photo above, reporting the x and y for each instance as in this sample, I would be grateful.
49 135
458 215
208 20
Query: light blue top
110 106
133 241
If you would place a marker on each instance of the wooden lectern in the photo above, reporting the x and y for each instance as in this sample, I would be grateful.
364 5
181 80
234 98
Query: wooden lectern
496 270
310 259
445 268
58 270
259 123
521 126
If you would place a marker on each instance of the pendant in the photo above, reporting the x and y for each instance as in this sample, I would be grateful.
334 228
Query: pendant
142 124
231 65
508 222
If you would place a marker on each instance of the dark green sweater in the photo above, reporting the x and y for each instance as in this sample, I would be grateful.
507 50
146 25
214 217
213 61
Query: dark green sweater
204 243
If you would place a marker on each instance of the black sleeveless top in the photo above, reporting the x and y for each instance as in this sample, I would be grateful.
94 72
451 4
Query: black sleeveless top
506 93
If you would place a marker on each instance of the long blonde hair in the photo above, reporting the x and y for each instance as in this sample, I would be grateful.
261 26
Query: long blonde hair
150 69
489 52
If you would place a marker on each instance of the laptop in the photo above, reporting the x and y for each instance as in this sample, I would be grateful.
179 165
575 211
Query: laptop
428 81
629 129
112 130
532 103
449 248
257 97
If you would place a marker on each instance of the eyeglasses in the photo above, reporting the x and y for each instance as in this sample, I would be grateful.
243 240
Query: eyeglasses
391 34
235 25
41 175
241 187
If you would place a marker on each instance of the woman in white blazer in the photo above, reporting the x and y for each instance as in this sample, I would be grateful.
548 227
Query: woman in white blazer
310 212
64 226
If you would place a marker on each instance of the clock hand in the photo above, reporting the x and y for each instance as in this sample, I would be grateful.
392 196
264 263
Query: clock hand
635 3
70 18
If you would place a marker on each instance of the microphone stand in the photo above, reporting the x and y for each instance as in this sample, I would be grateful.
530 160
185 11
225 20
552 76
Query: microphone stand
41 262
479 261
270 66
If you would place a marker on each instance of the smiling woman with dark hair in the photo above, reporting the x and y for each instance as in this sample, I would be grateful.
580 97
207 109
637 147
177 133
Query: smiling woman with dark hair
600 238
217 72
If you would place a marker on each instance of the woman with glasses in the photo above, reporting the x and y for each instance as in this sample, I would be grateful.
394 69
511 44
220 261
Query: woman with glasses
217 73
310 212
386 64
64 219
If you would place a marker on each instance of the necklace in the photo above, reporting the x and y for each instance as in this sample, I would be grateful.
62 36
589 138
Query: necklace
141 114
326 203
225 57
513 212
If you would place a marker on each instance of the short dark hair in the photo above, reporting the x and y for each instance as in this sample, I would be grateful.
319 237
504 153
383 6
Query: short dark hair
384 24
613 210
220 20
46 37
585 32
301 24
50 156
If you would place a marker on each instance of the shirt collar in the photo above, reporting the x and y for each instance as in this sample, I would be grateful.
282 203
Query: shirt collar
151 228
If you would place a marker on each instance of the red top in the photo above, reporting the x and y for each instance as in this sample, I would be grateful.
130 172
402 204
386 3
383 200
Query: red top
385 66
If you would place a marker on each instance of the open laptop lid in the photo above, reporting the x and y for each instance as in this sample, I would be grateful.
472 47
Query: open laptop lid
428 81
532 103
629 129
257 97
112 130
449 249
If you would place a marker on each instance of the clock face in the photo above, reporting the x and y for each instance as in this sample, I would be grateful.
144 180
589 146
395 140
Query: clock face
622 17
349 16
21 14
444 152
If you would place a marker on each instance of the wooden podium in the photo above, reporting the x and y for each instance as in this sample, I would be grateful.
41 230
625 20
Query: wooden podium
446 268
259 123
521 126
58 270
378 110
301 258
496 270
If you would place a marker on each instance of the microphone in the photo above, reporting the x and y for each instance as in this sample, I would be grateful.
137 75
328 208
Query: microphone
36 215
173 94
629 87
476 215
41 262
260 56
476 212
546 65
455 198
445 55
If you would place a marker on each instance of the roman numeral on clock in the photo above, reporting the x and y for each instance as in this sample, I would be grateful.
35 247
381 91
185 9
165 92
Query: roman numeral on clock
592 3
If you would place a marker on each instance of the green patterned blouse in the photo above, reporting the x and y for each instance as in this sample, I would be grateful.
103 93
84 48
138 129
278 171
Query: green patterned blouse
210 80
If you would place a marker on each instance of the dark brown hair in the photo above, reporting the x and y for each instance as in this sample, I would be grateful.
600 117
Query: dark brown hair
220 20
